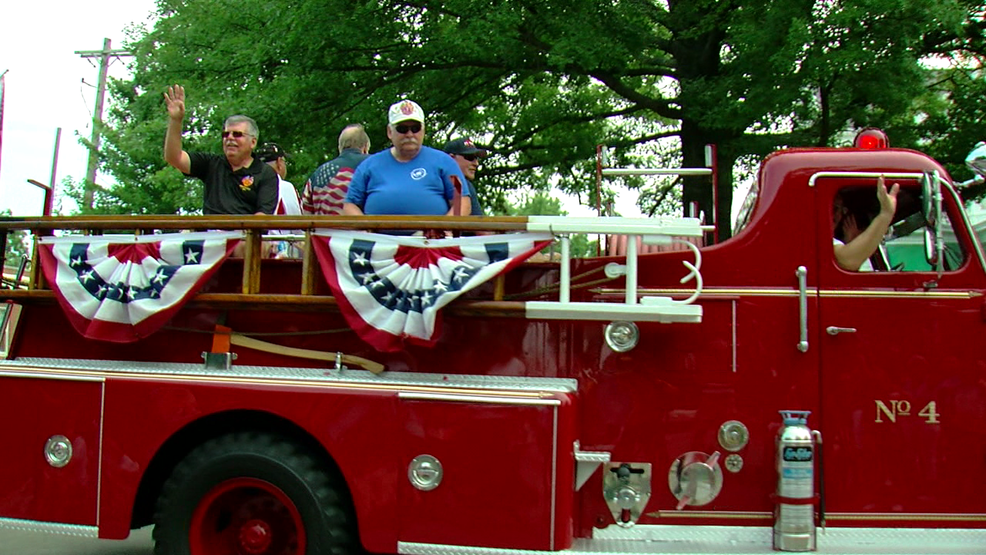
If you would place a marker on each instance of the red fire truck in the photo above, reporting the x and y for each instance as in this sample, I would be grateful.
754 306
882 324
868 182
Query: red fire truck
739 397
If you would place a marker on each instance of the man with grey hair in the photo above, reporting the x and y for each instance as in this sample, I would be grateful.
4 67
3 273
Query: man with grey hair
236 183
327 187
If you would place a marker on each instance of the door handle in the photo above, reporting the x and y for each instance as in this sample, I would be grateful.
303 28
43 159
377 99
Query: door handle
802 275
835 330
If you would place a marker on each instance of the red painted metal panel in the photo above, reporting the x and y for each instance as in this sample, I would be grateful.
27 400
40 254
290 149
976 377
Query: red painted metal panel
357 428
497 484
671 394
565 505
34 410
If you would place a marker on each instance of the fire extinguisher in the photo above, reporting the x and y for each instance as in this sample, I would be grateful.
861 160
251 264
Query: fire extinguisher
794 511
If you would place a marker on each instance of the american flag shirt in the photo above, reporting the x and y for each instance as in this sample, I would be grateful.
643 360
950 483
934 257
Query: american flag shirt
326 189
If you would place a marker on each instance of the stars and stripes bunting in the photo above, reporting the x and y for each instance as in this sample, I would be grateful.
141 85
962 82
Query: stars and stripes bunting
390 288
123 288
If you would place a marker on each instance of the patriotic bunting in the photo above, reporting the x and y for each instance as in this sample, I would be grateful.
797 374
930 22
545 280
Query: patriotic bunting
124 288
390 288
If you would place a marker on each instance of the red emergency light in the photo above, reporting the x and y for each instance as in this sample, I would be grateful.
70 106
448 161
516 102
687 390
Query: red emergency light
872 138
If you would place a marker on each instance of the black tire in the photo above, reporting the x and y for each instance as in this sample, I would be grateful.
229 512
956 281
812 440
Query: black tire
253 494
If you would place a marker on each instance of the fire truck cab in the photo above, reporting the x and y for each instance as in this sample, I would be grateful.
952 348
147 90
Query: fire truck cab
615 404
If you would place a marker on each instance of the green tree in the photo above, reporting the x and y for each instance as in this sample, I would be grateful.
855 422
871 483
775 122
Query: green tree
542 204
541 81
17 248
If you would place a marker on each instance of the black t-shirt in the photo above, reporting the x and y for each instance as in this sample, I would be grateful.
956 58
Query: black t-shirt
246 191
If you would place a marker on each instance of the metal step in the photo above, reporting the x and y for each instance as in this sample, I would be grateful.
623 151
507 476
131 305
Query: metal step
742 540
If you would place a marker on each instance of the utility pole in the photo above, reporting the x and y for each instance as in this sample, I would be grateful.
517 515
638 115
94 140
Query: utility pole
104 56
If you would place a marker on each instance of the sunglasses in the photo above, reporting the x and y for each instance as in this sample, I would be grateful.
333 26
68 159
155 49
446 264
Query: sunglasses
413 128
235 134
470 157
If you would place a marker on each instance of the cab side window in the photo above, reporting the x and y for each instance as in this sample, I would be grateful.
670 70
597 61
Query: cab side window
902 248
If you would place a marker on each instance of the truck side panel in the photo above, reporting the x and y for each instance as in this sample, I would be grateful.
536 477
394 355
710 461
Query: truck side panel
36 410
358 428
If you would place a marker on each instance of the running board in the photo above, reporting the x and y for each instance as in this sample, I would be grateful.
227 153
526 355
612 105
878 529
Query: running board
732 540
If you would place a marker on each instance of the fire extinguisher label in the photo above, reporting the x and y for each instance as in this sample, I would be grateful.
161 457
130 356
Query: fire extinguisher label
797 454
797 481
793 516
797 473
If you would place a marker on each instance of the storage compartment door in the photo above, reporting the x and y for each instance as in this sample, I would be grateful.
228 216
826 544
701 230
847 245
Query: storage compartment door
498 473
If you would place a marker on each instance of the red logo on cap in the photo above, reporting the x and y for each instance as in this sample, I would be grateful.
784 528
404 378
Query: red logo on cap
407 108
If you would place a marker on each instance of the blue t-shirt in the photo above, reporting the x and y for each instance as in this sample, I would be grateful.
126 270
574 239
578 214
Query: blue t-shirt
422 186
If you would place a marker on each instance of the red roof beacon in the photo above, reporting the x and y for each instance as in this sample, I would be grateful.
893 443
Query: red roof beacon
871 138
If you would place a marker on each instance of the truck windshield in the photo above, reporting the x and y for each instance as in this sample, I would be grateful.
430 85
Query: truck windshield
745 213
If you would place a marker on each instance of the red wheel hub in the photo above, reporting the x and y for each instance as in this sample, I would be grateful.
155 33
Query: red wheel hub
246 516
255 536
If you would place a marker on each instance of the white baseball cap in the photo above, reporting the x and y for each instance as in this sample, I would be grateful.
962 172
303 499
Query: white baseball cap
406 110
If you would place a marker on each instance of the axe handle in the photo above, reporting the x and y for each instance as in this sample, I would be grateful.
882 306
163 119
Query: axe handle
267 347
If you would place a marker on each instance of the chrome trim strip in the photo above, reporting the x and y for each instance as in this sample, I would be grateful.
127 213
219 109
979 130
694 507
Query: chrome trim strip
476 399
711 294
554 478
99 462
723 515
46 376
74 530
314 377
831 293
751 515
891 175
922 517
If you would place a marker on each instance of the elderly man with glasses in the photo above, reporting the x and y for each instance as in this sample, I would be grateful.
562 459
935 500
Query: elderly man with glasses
236 183
408 178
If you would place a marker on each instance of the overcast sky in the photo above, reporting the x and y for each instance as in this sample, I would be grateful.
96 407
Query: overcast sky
49 86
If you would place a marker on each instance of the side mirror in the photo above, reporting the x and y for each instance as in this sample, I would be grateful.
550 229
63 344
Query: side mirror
928 189
930 252
934 244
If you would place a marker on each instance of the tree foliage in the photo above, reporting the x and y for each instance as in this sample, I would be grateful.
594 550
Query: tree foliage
542 82
17 247
542 204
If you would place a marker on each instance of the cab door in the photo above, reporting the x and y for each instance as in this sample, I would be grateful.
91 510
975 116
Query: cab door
903 374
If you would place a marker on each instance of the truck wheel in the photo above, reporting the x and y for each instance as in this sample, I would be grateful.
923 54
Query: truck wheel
252 494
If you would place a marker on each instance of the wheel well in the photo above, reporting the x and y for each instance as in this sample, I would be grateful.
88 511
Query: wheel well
178 446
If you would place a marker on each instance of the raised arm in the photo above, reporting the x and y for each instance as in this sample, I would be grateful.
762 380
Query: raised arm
174 98
858 249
